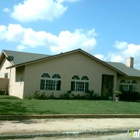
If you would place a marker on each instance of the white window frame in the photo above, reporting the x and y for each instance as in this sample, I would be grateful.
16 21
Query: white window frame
79 84
51 83
128 84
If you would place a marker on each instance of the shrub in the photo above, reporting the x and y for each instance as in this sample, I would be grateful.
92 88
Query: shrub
90 95
66 95
130 96
37 95
51 96
103 97
78 96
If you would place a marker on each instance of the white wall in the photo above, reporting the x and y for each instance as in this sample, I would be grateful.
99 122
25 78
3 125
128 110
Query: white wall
3 67
16 88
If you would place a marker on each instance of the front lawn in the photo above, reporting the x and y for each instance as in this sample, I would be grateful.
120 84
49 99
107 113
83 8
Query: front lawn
11 105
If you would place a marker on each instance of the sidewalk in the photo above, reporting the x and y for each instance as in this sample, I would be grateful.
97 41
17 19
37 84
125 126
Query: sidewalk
53 127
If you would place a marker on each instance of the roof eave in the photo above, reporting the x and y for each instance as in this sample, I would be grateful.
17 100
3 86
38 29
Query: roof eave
3 54
41 59
1 57
105 63
57 55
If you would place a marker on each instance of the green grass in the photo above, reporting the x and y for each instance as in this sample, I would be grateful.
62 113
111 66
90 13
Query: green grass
11 105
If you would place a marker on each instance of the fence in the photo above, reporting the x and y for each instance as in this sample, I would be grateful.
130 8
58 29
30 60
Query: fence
4 86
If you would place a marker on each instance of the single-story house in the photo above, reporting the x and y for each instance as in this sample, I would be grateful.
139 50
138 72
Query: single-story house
75 70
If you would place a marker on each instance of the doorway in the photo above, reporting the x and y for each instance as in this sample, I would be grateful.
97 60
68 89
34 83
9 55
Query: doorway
107 84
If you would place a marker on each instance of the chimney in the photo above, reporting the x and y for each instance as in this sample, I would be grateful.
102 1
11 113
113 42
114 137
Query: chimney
130 62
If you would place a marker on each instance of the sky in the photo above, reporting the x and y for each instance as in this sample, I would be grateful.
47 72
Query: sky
107 29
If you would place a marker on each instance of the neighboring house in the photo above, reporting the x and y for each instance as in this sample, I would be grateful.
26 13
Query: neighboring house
75 70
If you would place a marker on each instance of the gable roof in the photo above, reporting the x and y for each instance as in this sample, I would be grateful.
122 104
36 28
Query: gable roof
132 72
24 58
66 53
21 57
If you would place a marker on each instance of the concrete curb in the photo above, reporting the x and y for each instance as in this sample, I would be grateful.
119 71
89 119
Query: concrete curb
55 116
55 134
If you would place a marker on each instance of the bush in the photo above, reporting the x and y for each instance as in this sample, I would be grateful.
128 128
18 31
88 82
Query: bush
103 97
37 95
66 95
129 96
90 95
78 96
51 96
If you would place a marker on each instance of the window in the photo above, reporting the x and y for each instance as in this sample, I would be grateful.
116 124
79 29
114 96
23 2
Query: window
128 86
134 82
45 75
84 78
56 76
48 83
42 84
79 85
123 81
75 77
6 75
134 85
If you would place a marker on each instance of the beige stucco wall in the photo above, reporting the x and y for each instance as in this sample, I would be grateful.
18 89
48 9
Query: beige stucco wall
128 79
3 67
67 66
16 87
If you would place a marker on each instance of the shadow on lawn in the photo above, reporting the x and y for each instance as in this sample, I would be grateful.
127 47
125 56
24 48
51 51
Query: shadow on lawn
18 108
12 108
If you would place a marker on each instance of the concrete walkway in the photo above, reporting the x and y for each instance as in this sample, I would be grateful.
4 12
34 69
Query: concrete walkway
55 127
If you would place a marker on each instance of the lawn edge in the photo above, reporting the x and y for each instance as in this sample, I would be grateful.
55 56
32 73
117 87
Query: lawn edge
59 116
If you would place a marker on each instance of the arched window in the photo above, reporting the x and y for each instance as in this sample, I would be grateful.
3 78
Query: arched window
123 86
75 77
56 76
134 85
134 82
56 81
79 85
122 81
45 75
48 83
84 78
128 86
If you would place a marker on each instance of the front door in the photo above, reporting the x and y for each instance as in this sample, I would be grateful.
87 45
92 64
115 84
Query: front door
107 84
